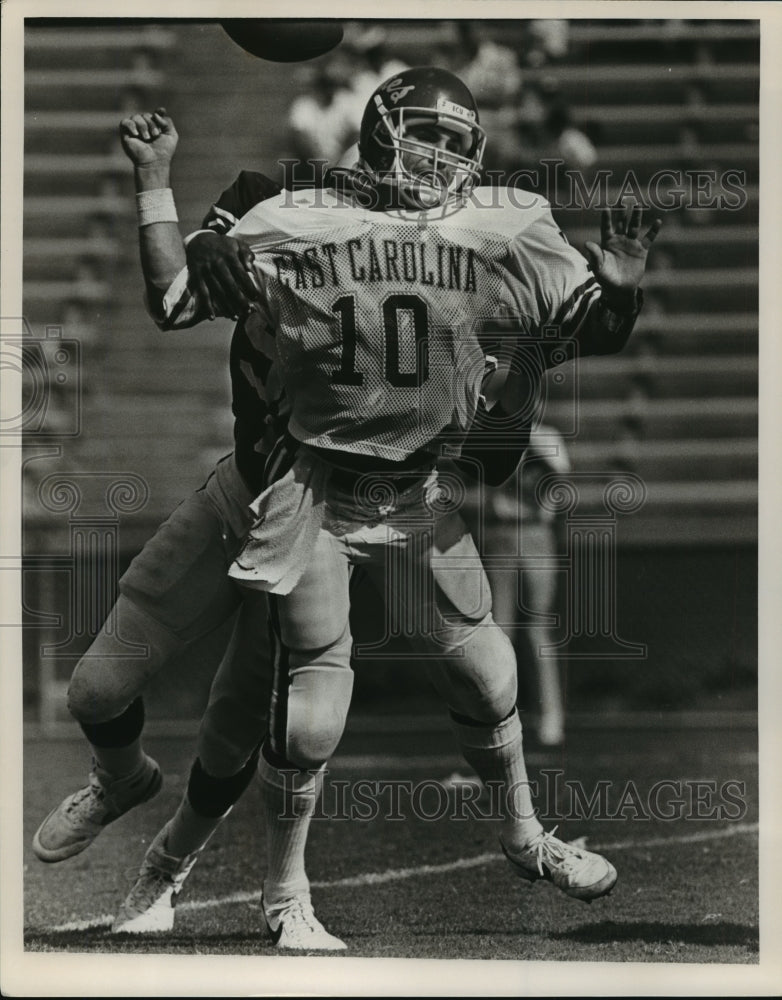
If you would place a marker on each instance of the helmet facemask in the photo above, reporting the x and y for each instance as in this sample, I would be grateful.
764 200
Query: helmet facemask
440 175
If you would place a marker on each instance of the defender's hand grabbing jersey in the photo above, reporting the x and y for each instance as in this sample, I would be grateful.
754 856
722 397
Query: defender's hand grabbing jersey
374 317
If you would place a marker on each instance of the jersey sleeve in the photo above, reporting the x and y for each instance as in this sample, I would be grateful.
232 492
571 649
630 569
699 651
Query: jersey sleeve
181 306
549 281
247 190
552 283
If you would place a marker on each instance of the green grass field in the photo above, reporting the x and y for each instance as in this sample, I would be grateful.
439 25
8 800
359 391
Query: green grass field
438 888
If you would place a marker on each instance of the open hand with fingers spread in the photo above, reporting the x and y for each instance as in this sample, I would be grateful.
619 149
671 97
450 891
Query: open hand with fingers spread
619 260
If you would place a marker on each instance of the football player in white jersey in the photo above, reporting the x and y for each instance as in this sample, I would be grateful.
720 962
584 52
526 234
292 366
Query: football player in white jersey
371 298
177 590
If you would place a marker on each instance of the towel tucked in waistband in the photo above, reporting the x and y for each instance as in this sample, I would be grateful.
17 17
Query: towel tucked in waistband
290 514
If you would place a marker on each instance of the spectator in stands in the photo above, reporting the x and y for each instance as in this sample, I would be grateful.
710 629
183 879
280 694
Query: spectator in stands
563 141
322 120
325 120
373 62
516 522
492 73
547 42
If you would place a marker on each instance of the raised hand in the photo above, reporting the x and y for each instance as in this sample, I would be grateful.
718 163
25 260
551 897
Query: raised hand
221 267
619 259
149 138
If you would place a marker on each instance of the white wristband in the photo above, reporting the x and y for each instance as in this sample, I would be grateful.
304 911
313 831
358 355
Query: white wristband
156 206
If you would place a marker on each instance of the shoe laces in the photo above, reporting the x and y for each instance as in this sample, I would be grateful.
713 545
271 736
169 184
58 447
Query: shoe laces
151 883
85 797
300 909
556 852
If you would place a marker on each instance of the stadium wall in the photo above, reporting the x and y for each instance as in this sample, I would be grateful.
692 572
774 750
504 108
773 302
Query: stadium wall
694 610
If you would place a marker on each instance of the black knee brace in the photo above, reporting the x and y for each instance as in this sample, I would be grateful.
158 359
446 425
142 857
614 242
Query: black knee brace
212 796
118 732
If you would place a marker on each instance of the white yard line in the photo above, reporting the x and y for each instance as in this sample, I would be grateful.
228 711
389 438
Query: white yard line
401 874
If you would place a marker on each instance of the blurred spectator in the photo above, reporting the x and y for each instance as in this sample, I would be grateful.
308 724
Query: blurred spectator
326 118
562 140
372 60
517 523
547 42
492 73
321 121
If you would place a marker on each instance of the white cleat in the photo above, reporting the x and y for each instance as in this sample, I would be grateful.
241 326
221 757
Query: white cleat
577 872
149 906
293 925
72 826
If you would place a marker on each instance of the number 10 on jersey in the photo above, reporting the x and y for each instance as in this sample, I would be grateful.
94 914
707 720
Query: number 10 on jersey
392 329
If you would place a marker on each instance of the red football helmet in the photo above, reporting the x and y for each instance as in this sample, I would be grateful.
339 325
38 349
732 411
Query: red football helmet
400 141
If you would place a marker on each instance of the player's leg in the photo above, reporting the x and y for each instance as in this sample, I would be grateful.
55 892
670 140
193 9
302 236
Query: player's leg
476 676
476 672
539 590
227 758
104 697
502 539
174 591
313 684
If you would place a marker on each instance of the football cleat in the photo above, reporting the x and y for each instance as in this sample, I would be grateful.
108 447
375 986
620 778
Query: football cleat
577 872
149 906
72 826
292 925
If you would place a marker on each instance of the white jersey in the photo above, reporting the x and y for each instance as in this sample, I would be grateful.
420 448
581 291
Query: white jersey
374 317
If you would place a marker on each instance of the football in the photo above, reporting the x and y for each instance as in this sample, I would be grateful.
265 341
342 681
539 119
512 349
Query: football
284 40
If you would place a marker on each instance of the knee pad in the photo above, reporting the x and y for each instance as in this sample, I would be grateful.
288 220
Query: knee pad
318 703
481 684
310 701
129 649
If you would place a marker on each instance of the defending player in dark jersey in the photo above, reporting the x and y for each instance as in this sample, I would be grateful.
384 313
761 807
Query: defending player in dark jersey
174 592
379 381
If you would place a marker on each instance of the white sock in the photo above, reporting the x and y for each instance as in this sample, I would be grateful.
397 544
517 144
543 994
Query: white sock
495 752
189 831
289 799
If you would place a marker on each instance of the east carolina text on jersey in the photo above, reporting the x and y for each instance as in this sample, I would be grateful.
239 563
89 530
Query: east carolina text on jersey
409 261
374 317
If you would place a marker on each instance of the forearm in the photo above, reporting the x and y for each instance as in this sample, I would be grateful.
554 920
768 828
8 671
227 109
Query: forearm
500 431
160 242
499 436
494 446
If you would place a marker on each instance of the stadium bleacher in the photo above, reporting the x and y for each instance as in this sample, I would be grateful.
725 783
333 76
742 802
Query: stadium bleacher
679 407
679 95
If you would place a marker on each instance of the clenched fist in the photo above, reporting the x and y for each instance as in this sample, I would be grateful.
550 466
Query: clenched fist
149 138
